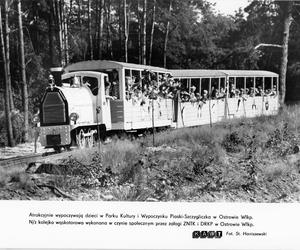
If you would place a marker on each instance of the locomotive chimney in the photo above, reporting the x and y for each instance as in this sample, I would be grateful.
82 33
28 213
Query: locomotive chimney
57 72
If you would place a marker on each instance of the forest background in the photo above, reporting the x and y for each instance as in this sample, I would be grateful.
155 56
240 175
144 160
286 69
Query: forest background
36 35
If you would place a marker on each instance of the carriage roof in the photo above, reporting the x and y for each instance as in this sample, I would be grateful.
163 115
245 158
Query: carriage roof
249 73
104 64
221 73
96 65
197 73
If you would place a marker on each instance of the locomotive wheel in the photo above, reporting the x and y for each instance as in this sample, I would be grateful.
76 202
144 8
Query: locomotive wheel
80 139
85 138
89 139
59 149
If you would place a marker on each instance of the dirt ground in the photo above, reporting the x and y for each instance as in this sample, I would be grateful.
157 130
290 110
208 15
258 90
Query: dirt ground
150 180
22 150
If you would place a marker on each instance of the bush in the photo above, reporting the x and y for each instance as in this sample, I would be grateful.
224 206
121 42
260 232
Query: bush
120 154
234 142
4 178
18 128
202 158
273 171
16 176
23 180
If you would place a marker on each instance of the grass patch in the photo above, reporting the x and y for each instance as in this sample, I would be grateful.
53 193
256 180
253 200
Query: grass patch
277 170
15 176
235 156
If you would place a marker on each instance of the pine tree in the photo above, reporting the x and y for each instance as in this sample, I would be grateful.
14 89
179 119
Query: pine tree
144 32
152 32
287 10
167 36
23 73
126 28
7 55
9 127
90 39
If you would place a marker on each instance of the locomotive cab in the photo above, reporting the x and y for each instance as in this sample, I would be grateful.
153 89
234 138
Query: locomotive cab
75 110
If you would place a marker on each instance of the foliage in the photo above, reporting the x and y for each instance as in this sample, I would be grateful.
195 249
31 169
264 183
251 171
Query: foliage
18 125
241 160
199 37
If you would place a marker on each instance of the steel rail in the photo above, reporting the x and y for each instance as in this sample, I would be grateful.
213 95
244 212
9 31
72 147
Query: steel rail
19 161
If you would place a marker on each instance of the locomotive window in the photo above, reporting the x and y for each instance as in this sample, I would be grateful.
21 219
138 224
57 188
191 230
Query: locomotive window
68 80
74 80
113 77
128 79
92 83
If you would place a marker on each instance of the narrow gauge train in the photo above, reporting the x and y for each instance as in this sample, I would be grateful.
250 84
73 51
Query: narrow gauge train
94 97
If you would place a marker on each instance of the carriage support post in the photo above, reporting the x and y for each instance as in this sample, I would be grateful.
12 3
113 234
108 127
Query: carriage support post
209 103
153 128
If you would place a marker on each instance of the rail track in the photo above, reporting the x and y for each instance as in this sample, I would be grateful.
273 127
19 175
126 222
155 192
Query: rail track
20 161
23 161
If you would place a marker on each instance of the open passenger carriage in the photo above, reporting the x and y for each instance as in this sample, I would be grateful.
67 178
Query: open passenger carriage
218 94
130 102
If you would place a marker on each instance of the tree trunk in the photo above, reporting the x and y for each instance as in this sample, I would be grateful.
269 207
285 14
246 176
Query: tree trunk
109 40
50 35
90 38
152 32
58 22
63 31
100 29
167 36
79 2
9 127
126 21
71 7
96 44
7 55
284 59
120 30
66 39
139 32
144 33
23 72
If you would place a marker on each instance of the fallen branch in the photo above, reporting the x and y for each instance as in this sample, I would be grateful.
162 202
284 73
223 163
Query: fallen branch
279 198
267 45
55 189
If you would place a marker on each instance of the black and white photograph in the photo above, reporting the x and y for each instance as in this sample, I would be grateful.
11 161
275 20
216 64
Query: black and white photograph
151 102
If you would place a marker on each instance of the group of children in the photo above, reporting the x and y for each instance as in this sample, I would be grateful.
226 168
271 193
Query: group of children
148 86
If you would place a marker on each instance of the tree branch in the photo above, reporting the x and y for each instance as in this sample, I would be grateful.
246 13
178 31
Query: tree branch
267 45
56 191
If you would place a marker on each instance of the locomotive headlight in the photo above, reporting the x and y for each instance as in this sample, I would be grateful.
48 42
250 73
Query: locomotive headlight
35 119
74 117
